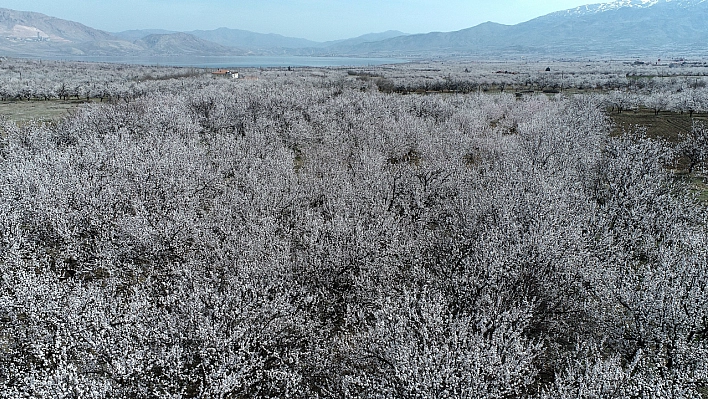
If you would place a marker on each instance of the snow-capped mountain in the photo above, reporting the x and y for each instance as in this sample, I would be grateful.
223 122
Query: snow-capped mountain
627 27
651 28
620 4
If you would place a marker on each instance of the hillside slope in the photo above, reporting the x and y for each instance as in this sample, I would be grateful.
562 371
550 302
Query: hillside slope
625 27
655 28
183 44
31 34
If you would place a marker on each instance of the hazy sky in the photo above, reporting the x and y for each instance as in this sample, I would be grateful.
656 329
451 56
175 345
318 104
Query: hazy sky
311 19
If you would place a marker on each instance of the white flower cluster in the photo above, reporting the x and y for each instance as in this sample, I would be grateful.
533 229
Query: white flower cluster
307 237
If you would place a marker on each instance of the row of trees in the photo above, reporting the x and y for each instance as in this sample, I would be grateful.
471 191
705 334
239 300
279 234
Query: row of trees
591 76
22 79
44 80
687 101
304 238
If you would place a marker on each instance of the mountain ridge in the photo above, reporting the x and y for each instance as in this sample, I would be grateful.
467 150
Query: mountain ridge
617 4
620 27
180 43
36 25
664 26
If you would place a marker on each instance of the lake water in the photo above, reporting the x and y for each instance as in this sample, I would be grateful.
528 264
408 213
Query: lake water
242 61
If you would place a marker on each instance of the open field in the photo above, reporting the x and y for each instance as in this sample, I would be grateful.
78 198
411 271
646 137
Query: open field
700 185
666 125
669 126
24 111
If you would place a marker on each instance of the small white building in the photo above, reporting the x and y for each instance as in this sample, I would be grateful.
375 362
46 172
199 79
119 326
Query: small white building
225 73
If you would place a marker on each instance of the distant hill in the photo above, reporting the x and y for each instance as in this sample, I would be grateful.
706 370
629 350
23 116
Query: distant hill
183 44
371 37
485 37
628 26
618 28
278 43
252 40
136 34
622 27
31 34
22 25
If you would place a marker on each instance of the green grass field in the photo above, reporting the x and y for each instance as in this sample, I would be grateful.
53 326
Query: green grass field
666 125
45 111
700 185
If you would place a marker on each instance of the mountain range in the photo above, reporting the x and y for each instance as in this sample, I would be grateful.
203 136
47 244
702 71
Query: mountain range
620 27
